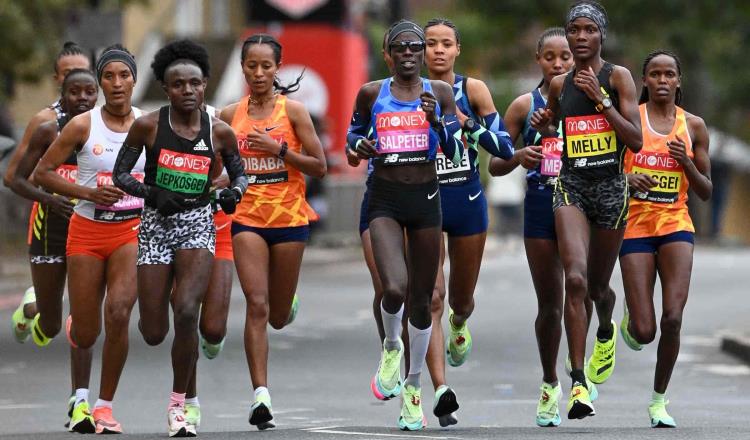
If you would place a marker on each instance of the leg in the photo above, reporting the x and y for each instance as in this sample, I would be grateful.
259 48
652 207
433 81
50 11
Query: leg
603 250
376 284
155 282
86 283
638 278
49 284
467 253
388 249
436 352
285 262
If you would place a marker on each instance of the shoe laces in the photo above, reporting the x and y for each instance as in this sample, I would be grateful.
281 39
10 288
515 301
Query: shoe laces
391 361
413 403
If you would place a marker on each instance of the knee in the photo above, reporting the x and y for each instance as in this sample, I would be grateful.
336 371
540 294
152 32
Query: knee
153 335
462 308
117 313
575 283
214 331
85 337
278 322
550 313
257 309
671 323
185 317
394 292
643 332
438 301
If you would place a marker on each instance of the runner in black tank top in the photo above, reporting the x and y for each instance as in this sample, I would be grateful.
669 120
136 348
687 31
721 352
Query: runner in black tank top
590 199
177 236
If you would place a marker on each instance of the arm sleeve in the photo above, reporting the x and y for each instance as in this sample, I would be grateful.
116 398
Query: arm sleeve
358 129
449 135
126 160
493 137
235 170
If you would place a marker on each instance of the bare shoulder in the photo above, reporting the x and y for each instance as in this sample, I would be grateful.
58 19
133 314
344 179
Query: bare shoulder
477 87
295 109
220 127
520 105
227 113
696 124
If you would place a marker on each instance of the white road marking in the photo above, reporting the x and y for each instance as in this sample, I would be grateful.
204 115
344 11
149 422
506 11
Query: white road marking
375 434
725 369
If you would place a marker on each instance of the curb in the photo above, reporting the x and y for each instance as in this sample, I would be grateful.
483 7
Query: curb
737 345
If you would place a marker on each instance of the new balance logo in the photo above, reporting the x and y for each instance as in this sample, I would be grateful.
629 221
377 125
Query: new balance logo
580 162
391 158
201 146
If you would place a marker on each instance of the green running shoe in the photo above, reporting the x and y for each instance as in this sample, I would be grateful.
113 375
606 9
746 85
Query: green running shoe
459 343
602 361
82 421
293 311
193 414
261 414
548 408
210 351
37 334
657 410
444 405
629 340
71 404
386 384
412 418
579 403
20 323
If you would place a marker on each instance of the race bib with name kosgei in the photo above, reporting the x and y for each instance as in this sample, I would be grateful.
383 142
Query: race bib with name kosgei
665 170
403 137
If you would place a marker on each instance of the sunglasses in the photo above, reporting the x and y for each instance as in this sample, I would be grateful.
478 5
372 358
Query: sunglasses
414 46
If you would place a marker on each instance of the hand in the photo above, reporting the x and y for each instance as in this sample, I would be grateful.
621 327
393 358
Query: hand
167 203
351 158
228 199
221 182
641 182
678 151
260 140
106 195
462 118
429 104
529 157
366 148
60 204
588 83
541 120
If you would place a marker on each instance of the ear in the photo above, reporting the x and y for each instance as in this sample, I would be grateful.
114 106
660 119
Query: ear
458 49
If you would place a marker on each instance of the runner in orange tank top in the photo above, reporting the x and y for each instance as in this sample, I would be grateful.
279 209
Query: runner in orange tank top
659 234
278 145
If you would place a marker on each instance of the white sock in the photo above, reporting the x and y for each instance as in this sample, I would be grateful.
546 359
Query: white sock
658 397
192 401
261 390
103 404
392 327
82 394
419 340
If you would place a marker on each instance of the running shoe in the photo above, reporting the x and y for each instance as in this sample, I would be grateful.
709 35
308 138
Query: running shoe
386 384
210 351
412 418
659 417
177 425
602 361
193 414
37 334
629 340
445 404
81 420
105 423
459 343
548 408
71 404
20 323
593 392
579 404
293 311
261 414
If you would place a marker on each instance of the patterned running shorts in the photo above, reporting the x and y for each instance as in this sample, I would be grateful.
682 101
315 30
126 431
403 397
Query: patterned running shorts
604 202
161 236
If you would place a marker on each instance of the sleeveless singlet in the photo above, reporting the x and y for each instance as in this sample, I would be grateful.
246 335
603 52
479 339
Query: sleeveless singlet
545 174
181 165
401 128
591 150
96 159
275 196
663 210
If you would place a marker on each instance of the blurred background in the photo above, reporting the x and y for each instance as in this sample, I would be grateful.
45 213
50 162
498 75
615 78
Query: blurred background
338 44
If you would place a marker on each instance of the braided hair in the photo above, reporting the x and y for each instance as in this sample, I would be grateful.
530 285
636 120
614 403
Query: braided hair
276 47
445 22
70 48
546 35
644 93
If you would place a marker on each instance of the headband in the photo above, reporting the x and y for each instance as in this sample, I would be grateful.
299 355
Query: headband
405 26
115 55
591 12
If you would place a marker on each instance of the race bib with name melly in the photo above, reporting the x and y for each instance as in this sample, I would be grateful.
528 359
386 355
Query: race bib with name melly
403 137
549 167
590 141
126 208
664 170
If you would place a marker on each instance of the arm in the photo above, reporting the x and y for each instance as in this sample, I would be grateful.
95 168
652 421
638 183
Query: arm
492 134
129 153
230 157
528 157
41 139
449 129
697 170
546 121
358 142
38 119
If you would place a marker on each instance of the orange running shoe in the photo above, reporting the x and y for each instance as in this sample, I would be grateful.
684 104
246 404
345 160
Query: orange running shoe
105 423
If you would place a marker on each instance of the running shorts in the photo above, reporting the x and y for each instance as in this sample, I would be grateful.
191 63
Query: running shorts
604 202
160 237
415 206
99 239
223 224
274 236
538 217
48 235
464 209
651 245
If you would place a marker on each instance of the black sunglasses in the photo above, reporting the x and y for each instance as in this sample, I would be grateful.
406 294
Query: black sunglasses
414 46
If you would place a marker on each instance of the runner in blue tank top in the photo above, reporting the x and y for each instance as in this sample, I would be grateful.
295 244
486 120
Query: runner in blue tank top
464 209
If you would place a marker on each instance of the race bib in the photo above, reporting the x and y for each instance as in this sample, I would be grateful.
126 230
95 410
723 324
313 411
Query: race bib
403 137
68 172
124 209
262 168
448 173
550 165
182 172
590 141
665 171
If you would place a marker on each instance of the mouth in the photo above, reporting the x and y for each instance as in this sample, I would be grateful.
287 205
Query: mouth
408 64
662 91
581 48
439 60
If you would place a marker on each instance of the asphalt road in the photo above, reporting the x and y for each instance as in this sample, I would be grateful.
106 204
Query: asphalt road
321 365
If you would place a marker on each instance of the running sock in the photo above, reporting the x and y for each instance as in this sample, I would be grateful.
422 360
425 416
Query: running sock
578 376
658 397
259 391
606 333
192 401
82 394
176 400
103 404
392 327
419 340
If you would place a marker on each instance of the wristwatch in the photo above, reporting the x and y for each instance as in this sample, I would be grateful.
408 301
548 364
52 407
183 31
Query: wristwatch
282 152
469 125
605 104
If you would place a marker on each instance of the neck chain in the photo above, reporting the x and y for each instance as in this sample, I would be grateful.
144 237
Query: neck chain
260 101
104 107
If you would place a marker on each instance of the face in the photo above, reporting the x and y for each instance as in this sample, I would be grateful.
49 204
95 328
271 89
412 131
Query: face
185 86
69 62
117 83
442 48
80 93
584 38
554 58
259 68
407 53
662 78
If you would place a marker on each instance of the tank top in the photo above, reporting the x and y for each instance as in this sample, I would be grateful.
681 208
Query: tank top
591 150
544 176
275 196
96 159
181 165
663 210
467 170
401 128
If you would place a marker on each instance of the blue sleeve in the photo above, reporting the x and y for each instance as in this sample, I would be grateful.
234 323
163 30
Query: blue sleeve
358 129
493 137
449 135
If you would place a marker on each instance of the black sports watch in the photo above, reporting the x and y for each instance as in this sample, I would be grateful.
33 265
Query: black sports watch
469 125
282 152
